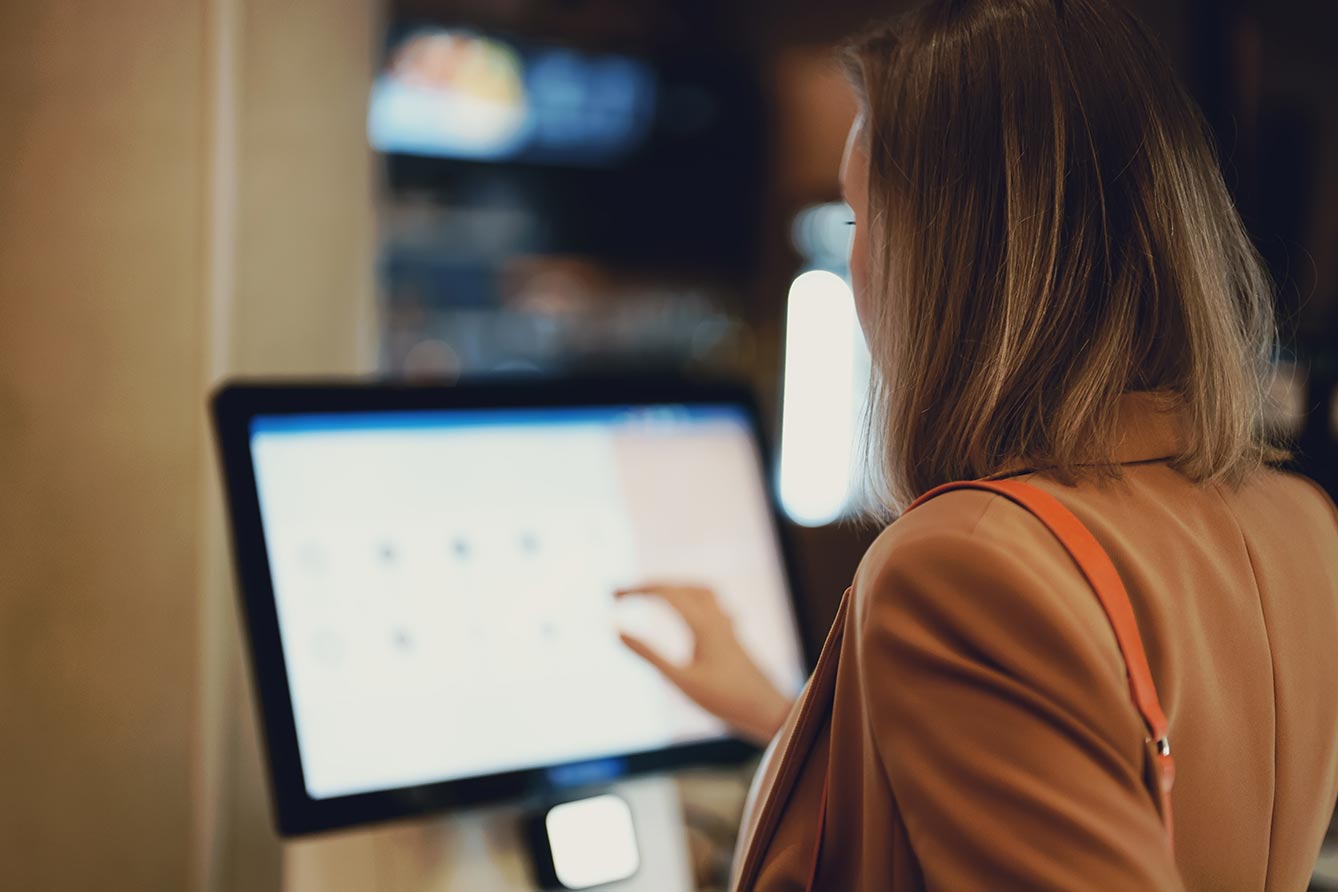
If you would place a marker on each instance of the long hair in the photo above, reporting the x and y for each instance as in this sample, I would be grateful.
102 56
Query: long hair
1049 229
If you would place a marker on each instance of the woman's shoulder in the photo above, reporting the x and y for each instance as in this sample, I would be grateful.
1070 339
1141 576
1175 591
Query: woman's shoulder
964 547
972 574
973 525
1292 494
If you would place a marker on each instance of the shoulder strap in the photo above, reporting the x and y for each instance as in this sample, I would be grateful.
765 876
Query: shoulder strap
1105 581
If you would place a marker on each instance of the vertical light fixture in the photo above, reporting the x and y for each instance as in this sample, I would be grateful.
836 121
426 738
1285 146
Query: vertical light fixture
824 384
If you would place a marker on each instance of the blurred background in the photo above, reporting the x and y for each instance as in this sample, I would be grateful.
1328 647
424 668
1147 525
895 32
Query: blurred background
423 189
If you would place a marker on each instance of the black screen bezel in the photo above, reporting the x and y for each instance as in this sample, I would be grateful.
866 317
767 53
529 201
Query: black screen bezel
235 404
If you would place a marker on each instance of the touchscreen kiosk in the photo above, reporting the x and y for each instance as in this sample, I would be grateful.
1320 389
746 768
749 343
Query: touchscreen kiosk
427 578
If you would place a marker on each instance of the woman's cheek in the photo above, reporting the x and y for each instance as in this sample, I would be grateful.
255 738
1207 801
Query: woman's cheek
859 258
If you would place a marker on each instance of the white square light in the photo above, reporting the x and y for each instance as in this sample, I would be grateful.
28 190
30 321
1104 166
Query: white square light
826 378
592 841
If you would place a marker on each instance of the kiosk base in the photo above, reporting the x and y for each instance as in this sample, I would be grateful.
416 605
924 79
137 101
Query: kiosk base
484 850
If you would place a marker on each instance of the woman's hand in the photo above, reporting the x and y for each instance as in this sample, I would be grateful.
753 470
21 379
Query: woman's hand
721 677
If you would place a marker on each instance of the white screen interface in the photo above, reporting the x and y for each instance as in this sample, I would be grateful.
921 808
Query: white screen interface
443 582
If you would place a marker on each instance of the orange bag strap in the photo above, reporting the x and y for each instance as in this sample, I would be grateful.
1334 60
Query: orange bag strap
1105 581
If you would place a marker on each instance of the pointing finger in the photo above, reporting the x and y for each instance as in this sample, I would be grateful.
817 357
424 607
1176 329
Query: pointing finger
650 655
692 602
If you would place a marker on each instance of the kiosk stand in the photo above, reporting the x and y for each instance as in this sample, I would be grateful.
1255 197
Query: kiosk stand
482 851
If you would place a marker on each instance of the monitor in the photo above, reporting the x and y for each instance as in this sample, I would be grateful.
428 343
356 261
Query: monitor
458 93
427 578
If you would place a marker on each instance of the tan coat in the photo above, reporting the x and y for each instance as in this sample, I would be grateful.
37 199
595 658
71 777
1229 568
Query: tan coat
972 717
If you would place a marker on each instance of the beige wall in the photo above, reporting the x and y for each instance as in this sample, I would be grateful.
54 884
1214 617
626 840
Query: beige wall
184 190
101 206
293 279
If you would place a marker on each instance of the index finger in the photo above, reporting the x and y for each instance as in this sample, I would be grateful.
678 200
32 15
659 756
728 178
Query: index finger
690 601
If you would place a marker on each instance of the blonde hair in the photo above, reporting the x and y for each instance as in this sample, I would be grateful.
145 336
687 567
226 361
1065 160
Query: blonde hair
1049 228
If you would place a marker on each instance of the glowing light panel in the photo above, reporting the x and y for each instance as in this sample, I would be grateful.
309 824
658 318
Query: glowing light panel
825 379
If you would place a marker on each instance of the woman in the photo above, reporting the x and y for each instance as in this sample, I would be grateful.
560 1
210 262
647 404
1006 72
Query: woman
1055 288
